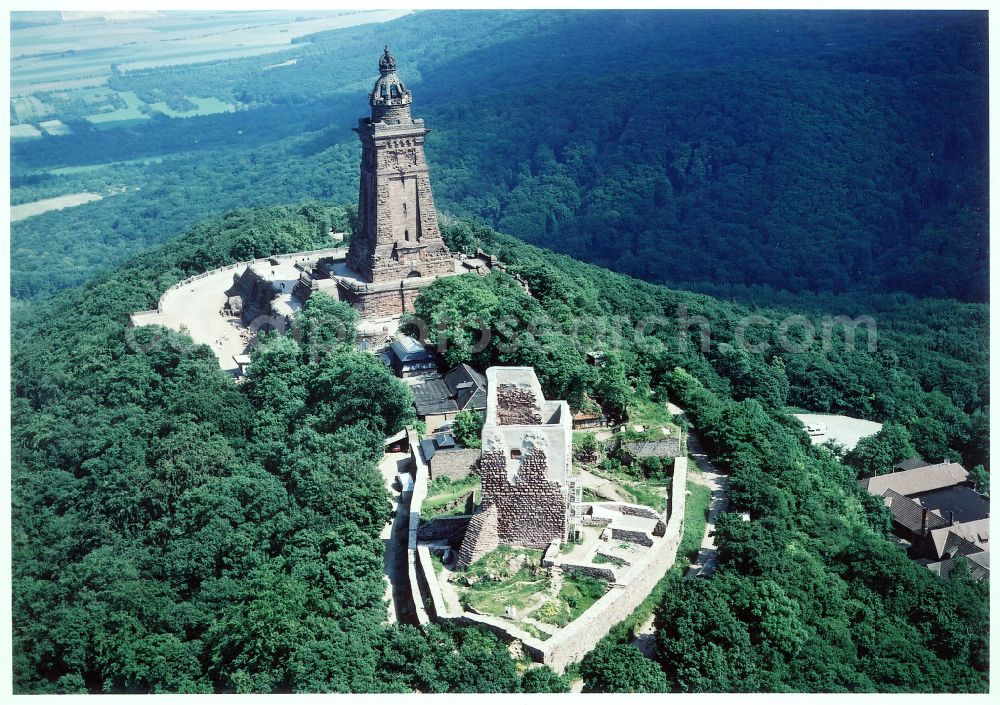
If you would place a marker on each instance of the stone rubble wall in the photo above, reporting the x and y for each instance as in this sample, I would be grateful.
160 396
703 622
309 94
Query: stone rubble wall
456 464
639 537
480 537
531 509
591 570
517 406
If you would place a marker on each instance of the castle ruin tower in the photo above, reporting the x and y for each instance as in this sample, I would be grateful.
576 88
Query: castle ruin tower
398 236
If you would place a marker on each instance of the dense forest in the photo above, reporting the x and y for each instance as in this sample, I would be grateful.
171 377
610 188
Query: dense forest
233 531
808 152
174 532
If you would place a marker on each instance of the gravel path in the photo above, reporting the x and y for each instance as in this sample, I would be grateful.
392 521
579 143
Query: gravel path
605 488
713 478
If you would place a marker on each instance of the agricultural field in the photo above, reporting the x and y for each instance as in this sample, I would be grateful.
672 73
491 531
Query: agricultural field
24 132
55 127
203 106
48 57
26 210
132 111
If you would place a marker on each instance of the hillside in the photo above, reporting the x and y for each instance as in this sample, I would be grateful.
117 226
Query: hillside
810 152
172 532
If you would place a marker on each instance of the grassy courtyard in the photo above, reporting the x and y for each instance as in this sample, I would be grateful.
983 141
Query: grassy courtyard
447 497
505 576
514 577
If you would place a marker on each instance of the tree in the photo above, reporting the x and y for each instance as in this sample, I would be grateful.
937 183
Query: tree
981 480
324 324
468 428
620 668
876 455
543 680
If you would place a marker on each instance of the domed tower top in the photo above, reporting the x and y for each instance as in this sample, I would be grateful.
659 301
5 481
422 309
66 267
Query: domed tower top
390 100
387 64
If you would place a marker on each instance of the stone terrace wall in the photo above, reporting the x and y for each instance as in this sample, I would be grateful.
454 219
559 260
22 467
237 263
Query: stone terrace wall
531 509
517 406
636 582
294 257
380 304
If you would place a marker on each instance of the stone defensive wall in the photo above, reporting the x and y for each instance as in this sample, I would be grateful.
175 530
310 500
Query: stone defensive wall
633 583
294 257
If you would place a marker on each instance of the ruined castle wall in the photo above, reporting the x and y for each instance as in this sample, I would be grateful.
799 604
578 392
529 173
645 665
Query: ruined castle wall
481 537
531 509
635 583
517 406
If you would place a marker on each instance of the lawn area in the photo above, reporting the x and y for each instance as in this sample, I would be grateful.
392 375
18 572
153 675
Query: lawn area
649 493
131 113
505 576
577 594
610 560
447 497
695 518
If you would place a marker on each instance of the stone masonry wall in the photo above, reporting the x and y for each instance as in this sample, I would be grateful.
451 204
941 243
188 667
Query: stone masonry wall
480 537
531 509
450 529
593 571
517 406
456 464
379 304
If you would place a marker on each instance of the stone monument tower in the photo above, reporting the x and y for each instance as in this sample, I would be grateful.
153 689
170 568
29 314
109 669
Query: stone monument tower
398 236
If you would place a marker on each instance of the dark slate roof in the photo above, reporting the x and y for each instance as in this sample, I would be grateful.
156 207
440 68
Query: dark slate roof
467 386
444 440
911 463
666 448
407 349
978 564
431 395
459 389
964 502
427 448
909 513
